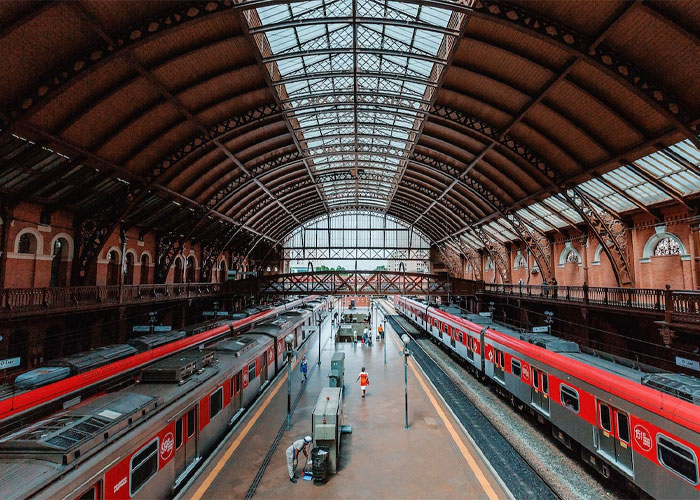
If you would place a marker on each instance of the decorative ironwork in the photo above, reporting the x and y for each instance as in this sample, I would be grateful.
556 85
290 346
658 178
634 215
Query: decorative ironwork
359 283
93 231
212 248
51 84
497 251
597 54
609 230
214 133
170 244
452 261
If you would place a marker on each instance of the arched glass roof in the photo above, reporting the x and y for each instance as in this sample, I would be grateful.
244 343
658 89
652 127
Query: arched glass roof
356 79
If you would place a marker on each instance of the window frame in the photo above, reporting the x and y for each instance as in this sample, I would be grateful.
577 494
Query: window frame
191 411
513 361
155 440
253 364
600 417
679 445
578 398
219 391
181 423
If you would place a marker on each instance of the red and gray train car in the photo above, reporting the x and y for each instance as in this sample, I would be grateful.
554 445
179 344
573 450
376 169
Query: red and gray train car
144 440
643 424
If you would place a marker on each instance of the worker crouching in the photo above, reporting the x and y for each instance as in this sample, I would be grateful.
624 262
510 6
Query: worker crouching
293 451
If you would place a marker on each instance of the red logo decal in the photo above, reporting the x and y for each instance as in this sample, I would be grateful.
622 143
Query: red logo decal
167 446
642 437
526 372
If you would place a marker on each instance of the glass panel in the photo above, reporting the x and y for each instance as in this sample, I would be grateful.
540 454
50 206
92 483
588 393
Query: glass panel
678 458
605 419
623 427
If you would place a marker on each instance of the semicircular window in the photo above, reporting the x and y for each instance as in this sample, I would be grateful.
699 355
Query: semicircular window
667 246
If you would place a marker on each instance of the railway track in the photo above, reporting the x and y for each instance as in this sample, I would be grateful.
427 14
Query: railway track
518 475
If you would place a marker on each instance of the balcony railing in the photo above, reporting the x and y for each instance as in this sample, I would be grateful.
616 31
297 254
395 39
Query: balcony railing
19 300
677 306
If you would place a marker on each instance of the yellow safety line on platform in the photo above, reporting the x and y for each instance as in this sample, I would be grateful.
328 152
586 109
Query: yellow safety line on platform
236 442
478 473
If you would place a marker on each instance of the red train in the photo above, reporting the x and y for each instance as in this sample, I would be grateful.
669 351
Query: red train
643 424
144 440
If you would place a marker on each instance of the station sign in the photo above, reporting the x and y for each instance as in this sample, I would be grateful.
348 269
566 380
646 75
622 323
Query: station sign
146 328
9 363
540 329
215 313
688 363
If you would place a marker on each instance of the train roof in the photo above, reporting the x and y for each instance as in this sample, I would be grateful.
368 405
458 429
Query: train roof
43 451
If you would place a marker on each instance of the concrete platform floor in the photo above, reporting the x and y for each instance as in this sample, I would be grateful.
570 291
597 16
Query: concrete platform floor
433 459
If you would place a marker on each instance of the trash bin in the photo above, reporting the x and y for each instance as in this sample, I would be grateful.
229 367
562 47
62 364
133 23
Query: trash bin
319 460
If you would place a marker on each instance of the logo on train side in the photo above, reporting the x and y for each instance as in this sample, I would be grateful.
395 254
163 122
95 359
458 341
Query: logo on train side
120 484
526 372
167 446
642 437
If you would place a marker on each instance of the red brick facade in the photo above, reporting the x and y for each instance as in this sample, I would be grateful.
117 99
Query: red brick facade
41 255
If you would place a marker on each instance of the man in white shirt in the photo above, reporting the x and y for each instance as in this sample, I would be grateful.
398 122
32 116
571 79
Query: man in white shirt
293 456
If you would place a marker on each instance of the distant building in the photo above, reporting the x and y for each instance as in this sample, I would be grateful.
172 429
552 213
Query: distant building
411 266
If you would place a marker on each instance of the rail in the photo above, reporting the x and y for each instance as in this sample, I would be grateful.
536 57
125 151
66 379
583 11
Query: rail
21 300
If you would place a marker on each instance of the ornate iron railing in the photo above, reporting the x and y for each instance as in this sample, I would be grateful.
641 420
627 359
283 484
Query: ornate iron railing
18 300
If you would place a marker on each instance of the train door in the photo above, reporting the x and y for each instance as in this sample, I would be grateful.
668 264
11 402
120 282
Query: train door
237 393
453 334
263 368
498 365
613 436
540 390
185 443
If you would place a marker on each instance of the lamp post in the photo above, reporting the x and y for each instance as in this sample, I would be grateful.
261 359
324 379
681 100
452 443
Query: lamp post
405 339
320 322
549 319
289 339
384 335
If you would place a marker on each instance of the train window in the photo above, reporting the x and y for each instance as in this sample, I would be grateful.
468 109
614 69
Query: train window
677 458
91 494
144 465
503 362
515 367
191 423
251 371
178 433
569 398
536 378
605 417
623 427
216 402
545 383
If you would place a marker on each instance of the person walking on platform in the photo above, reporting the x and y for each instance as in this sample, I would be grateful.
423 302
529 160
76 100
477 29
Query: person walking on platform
381 331
293 456
363 377
304 368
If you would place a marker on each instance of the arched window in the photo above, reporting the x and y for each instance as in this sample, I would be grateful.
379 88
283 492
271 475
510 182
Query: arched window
519 261
113 268
58 264
572 256
569 256
190 269
222 271
489 264
129 271
177 271
27 244
145 261
667 246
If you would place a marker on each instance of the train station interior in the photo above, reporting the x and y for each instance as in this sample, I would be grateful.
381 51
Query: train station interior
455 244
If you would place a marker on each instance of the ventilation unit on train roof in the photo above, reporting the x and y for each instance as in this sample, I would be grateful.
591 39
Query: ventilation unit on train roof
84 361
550 342
235 346
676 384
68 436
151 341
177 368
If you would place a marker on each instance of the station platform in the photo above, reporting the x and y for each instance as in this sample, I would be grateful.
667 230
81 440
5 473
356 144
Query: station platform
380 459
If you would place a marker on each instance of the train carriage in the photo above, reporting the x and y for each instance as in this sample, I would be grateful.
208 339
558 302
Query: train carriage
144 440
645 425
